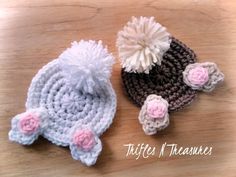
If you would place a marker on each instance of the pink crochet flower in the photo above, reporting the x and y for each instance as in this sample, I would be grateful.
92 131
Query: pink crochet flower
198 76
29 123
156 109
84 139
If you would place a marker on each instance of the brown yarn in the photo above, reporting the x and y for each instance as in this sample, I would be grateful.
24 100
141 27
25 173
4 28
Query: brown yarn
165 80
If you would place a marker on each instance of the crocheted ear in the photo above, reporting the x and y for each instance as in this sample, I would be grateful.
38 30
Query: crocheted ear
141 44
154 114
202 76
87 65
85 144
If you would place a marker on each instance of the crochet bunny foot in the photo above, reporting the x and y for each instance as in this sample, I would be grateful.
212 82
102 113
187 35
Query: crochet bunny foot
85 145
78 98
154 114
202 76
159 72
27 126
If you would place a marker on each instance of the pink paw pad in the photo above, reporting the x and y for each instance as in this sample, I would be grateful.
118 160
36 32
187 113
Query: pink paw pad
84 139
29 123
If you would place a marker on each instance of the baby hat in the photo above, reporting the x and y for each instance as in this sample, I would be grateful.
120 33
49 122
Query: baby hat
160 74
70 102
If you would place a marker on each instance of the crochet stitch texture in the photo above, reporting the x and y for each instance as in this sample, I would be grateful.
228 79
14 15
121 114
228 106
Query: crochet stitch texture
165 80
67 110
156 66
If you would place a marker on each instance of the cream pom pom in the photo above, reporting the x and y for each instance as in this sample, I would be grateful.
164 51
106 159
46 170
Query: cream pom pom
142 44
87 65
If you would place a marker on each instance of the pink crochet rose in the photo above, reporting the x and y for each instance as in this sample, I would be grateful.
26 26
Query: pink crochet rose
198 76
156 109
84 139
29 123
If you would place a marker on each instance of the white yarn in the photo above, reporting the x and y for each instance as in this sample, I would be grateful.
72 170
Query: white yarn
142 44
87 157
87 65
66 110
16 135
48 89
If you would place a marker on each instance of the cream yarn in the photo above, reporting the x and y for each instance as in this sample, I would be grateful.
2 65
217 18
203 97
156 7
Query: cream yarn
141 44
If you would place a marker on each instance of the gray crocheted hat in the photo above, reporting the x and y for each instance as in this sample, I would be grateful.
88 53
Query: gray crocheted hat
70 102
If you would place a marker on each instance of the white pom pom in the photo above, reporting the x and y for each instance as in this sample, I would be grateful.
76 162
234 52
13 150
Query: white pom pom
141 44
87 65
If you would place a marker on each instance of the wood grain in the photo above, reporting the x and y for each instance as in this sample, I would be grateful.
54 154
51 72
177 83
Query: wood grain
34 32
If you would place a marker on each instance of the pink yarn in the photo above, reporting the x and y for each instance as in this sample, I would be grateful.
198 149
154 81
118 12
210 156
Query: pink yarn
198 76
29 123
84 139
156 109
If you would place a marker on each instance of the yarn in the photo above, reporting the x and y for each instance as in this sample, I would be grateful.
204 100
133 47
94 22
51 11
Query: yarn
33 130
68 110
159 72
141 44
165 80
157 108
84 139
203 76
29 124
87 65
152 124
88 146
198 76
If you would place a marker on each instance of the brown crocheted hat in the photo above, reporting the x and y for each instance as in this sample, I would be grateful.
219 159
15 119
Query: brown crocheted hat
165 80
160 73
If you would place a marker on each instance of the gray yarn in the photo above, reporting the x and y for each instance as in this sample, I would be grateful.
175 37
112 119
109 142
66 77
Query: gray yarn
215 76
152 126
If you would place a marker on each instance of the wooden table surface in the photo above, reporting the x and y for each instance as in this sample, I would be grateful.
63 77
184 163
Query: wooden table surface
32 33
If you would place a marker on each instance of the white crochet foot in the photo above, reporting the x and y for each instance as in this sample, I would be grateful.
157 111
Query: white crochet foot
85 145
27 126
